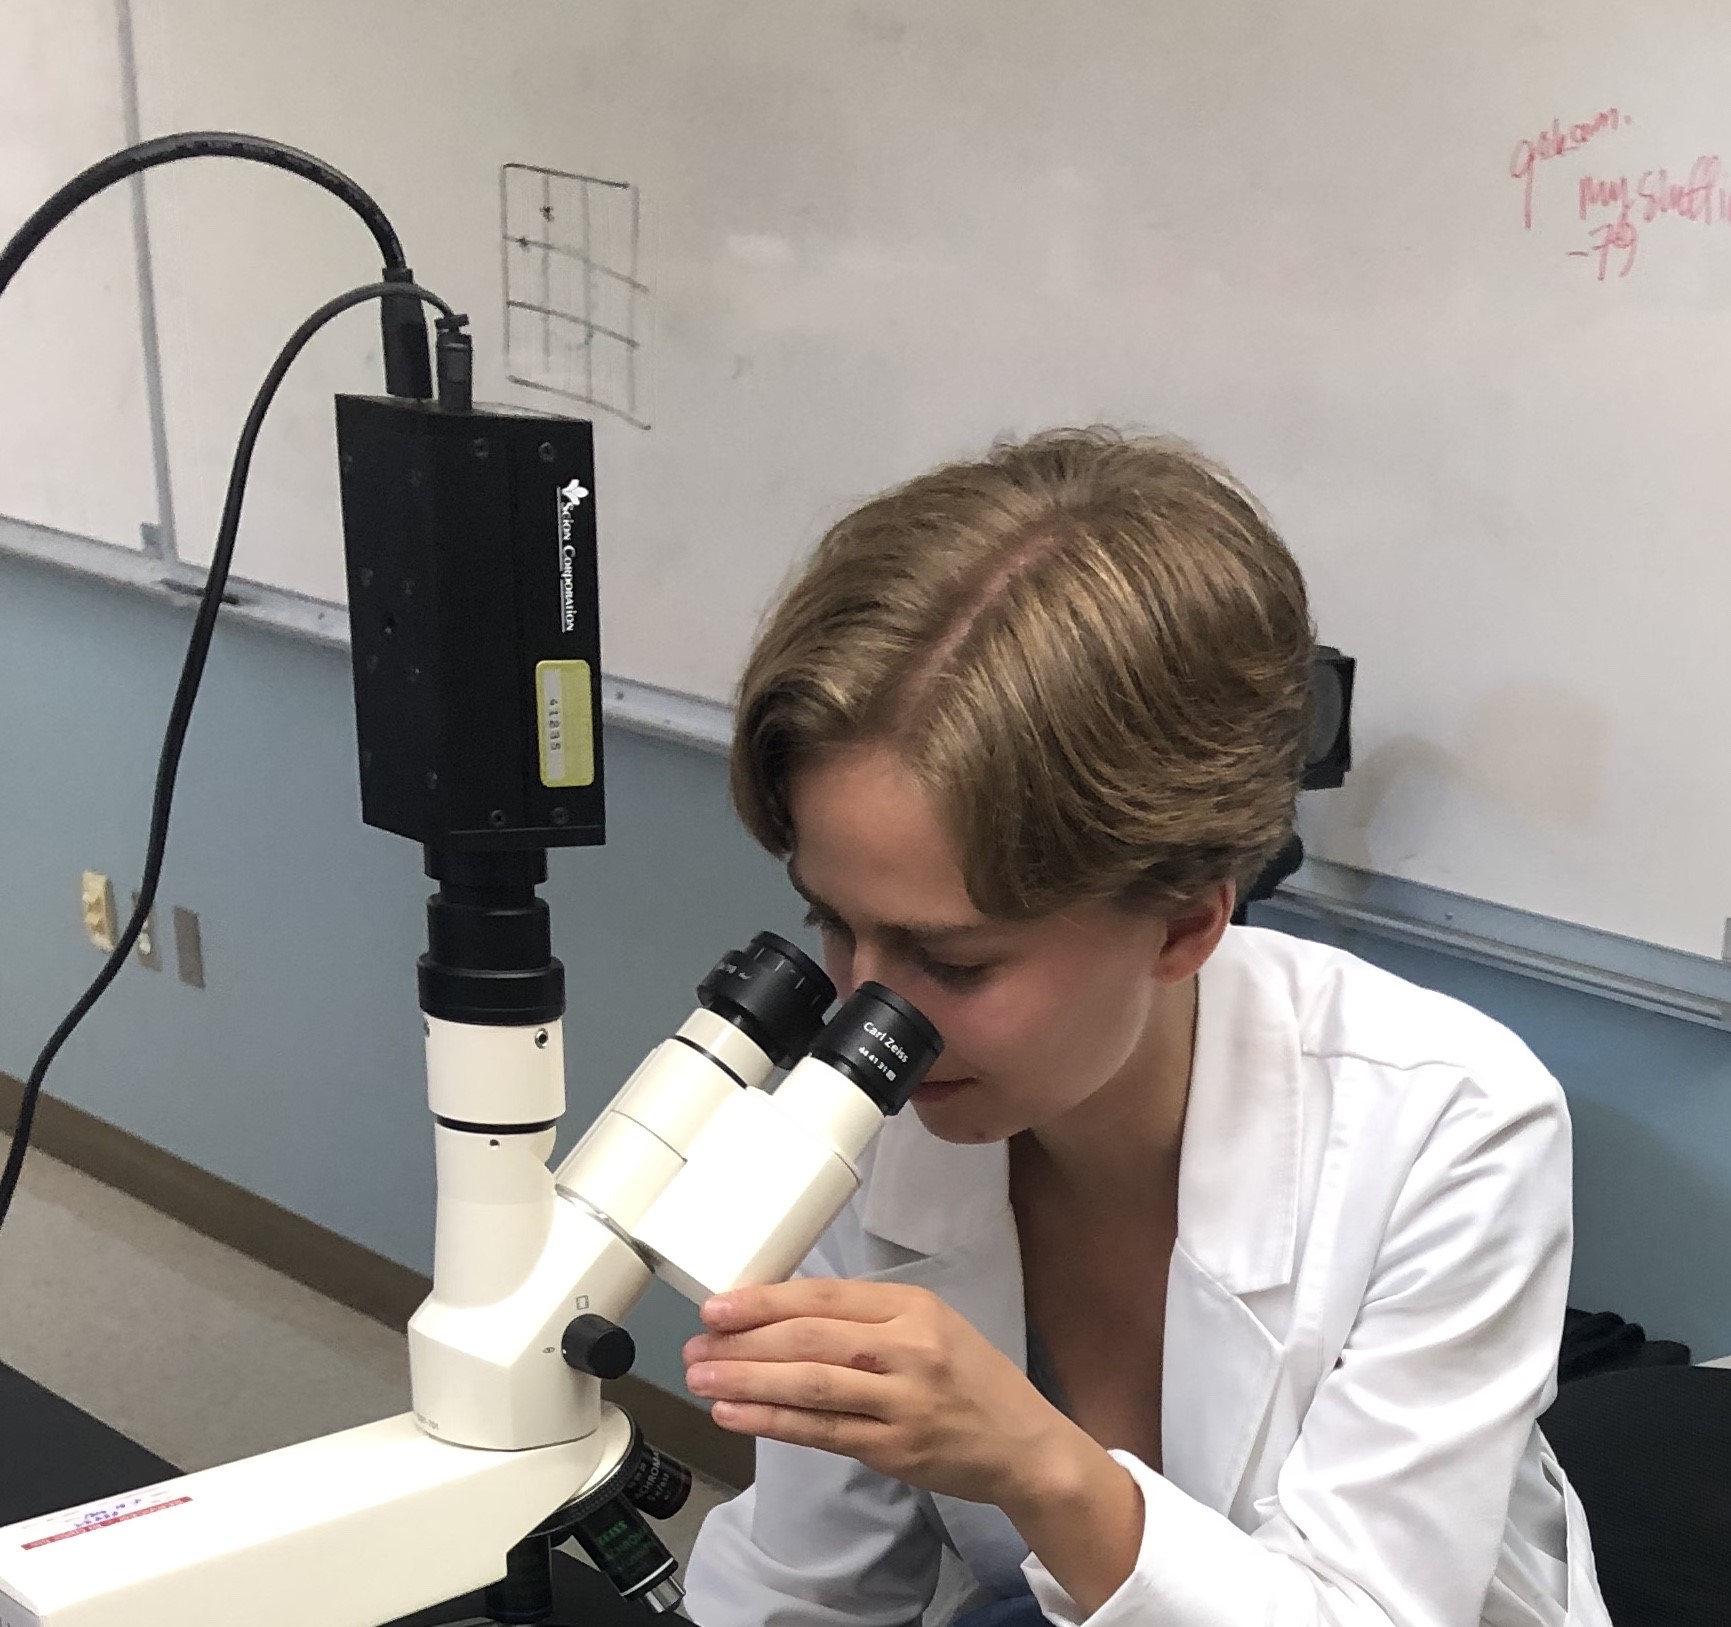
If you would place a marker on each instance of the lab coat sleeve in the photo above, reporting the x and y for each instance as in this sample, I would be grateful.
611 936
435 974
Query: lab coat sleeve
818 1540
1391 1508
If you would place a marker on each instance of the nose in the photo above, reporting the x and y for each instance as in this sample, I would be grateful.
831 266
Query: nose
864 965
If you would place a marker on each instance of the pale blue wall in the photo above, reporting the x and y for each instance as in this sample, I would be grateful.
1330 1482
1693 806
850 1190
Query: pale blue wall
297 1073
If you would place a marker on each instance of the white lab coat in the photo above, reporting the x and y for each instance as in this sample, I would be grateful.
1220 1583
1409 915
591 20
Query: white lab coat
1362 1323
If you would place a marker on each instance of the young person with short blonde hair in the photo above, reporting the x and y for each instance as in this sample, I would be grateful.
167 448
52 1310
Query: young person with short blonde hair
1215 1277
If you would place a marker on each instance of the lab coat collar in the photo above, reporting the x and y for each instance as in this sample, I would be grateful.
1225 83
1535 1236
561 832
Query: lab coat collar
1238 1184
933 1197
1238 1171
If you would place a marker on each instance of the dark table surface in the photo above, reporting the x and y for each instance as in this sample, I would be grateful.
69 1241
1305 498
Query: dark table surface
55 1456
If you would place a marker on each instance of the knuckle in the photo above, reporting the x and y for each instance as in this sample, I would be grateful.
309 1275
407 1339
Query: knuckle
820 1388
726 1350
929 1351
807 1339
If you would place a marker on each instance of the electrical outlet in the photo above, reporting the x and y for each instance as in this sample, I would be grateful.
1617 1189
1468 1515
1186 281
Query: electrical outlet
146 949
188 948
99 925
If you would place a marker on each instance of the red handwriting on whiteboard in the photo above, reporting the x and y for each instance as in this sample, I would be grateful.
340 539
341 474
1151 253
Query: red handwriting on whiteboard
1531 152
1614 236
1698 198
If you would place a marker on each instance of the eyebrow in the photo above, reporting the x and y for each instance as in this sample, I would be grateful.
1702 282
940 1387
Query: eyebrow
914 931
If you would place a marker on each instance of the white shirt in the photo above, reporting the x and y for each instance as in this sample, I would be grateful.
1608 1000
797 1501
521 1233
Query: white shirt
1362 1324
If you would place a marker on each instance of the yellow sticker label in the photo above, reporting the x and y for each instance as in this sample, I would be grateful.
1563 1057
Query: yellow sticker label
564 704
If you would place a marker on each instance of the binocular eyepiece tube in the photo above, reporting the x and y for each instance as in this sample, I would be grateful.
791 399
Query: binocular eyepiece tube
720 1182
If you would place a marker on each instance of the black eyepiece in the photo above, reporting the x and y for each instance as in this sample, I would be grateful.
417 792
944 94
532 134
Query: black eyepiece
881 1043
774 992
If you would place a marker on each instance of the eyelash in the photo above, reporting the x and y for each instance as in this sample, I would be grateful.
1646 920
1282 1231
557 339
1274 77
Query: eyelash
942 972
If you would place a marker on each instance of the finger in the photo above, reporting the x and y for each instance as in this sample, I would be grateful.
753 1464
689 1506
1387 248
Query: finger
830 1297
811 1386
866 1347
826 1431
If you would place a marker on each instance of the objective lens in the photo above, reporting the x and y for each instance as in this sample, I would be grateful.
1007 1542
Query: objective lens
659 1485
881 1043
774 992
623 1547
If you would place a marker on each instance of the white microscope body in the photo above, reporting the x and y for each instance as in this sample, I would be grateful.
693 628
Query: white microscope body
695 1173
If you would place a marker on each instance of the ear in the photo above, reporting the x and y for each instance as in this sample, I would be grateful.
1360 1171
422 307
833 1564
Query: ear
1193 932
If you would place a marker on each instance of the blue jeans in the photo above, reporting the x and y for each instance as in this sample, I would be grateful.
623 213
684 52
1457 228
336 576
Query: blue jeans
1020 1612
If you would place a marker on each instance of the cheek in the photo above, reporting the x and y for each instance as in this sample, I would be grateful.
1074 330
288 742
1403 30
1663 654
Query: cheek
1047 1037
1004 1031
981 1030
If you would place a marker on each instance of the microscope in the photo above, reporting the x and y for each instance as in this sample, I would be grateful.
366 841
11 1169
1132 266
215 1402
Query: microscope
470 543
695 1173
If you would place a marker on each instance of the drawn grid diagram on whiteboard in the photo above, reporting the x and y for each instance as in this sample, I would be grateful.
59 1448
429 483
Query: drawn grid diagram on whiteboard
1448 289
570 269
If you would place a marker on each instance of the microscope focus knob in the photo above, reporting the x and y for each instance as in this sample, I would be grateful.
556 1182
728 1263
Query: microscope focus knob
594 1345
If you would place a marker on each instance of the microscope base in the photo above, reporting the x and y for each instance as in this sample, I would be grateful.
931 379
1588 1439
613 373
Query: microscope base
348 1531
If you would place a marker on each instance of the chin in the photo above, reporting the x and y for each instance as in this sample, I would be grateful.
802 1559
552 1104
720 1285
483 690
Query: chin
961 1125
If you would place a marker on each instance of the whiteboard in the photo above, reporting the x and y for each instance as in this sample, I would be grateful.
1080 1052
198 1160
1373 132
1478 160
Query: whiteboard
1449 288
75 449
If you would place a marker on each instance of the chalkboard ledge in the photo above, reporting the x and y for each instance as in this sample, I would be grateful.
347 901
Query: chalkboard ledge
1652 976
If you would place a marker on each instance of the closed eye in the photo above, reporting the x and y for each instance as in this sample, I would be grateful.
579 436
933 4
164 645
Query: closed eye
946 974
949 975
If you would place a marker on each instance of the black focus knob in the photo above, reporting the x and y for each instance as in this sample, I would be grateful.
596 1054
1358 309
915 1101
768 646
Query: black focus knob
594 1345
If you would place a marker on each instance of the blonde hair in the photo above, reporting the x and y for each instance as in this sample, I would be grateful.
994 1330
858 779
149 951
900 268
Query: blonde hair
1091 650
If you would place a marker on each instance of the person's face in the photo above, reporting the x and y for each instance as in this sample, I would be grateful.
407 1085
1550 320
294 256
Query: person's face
1036 1015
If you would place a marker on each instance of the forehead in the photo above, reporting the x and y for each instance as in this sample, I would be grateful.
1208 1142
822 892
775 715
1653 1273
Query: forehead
869 842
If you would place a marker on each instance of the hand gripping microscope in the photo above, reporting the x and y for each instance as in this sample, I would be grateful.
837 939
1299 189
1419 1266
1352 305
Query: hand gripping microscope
470 542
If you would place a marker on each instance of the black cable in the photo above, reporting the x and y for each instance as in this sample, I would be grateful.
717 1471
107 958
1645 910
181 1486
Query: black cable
146 155
180 714
407 370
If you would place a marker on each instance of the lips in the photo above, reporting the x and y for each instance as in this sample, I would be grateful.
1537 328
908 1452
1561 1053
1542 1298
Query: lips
937 1089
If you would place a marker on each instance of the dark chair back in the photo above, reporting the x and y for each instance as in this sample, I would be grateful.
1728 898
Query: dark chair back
1648 1450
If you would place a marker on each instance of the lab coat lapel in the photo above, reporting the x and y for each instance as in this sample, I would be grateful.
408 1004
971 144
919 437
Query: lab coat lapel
1237 1222
941 1218
1220 1369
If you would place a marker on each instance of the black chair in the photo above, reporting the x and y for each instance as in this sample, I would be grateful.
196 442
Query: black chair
1649 1453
